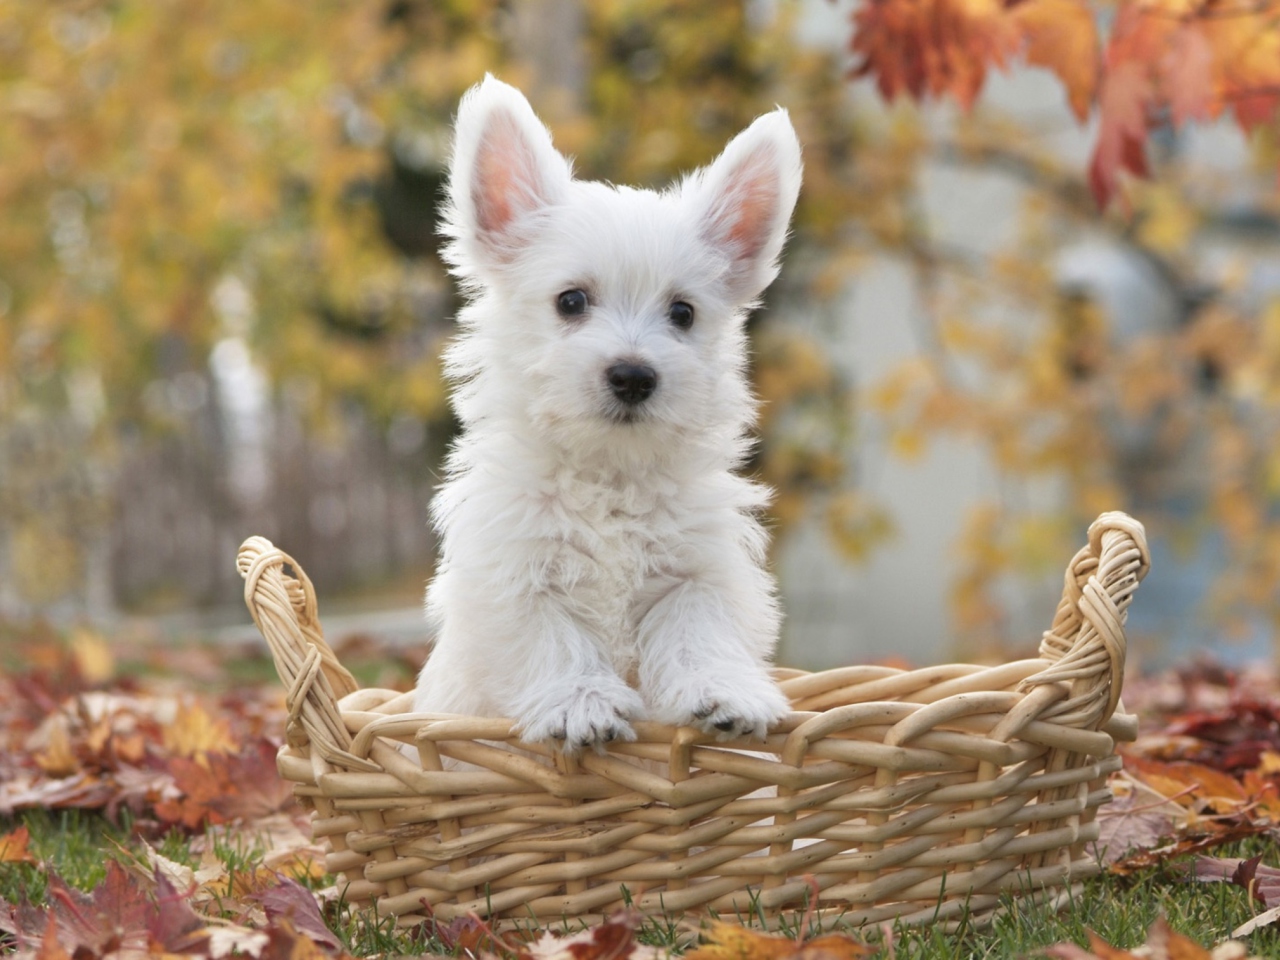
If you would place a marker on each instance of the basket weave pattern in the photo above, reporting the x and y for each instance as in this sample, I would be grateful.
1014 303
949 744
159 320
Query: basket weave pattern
921 794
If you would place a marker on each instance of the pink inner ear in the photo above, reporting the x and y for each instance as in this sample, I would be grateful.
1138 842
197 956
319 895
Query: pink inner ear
755 202
505 181
748 207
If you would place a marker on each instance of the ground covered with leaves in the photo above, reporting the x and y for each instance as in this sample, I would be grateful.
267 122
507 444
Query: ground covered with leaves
141 817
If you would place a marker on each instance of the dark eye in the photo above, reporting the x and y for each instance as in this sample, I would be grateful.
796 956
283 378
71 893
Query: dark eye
572 303
681 314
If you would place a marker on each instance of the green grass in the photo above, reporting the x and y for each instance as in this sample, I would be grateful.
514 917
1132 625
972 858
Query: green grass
72 842
77 845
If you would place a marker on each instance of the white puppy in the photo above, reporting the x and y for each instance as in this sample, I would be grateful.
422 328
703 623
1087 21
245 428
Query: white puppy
601 561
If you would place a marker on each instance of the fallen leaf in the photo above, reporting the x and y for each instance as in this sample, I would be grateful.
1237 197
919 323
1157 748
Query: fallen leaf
92 656
833 946
286 943
113 916
174 927
291 901
50 948
13 846
195 733
243 786
1262 881
57 757
1206 835
1264 919
612 940
729 941
1188 783
1162 944
1136 820
230 939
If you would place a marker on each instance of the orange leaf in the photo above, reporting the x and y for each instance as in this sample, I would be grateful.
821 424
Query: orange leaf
1246 45
50 948
1162 944
1062 36
1105 951
1186 782
834 946
1165 943
13 847
728 941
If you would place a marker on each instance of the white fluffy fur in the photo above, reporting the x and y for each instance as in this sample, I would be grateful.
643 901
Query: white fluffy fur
597 568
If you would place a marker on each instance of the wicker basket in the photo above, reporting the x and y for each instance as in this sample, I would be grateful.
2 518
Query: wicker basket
923 794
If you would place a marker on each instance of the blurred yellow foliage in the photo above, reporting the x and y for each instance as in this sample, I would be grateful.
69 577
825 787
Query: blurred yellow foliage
44 562
92 655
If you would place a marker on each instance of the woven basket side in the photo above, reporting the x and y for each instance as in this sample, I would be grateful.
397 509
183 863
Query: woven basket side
912 794
1086 641
283 606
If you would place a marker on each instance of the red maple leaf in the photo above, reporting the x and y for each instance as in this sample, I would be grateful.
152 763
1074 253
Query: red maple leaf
112 917
1186 72
239 786
1122 131
932 47
290 900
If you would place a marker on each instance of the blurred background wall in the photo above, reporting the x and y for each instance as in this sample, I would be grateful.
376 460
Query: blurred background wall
221 309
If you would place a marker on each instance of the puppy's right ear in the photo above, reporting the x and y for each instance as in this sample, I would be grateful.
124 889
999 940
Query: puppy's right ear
504 170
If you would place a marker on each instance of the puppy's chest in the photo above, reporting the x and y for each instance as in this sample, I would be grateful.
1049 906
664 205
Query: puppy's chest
616 551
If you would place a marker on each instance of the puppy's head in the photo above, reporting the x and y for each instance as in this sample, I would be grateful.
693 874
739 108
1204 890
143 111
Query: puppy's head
598 309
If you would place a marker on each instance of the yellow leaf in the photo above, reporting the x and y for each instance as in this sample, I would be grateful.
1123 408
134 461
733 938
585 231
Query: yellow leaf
728 941
58 758
92 656
194 733
908 444
1165 221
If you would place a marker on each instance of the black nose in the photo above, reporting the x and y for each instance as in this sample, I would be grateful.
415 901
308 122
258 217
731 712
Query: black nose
631 383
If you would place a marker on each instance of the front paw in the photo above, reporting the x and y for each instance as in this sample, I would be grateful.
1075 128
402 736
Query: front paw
731 708
584 715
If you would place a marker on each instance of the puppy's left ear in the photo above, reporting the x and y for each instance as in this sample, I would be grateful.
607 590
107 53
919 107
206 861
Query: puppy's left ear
745 198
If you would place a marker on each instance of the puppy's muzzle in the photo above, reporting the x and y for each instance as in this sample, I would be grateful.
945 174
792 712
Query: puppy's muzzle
632 383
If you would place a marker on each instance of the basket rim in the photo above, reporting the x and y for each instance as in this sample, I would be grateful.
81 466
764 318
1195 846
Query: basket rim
1083 651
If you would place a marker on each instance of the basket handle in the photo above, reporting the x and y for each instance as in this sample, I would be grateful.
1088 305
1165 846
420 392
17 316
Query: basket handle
1086 642
283 607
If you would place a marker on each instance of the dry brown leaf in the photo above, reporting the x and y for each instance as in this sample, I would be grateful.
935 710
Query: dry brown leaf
612 940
